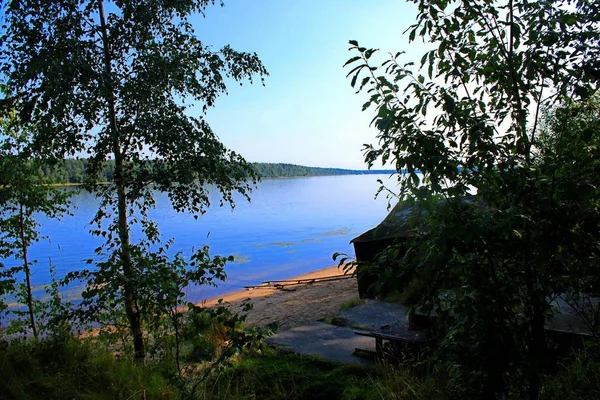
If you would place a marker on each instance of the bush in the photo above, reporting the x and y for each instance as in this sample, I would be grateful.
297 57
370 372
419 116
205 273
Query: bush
577 381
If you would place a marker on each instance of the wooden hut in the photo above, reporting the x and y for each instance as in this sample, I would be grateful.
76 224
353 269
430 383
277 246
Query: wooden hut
392 230
572 320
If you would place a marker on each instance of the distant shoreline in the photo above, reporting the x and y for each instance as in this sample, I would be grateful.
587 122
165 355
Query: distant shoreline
72 172
376 172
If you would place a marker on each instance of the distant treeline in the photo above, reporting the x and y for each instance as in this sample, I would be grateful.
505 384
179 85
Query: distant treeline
278 170
74 171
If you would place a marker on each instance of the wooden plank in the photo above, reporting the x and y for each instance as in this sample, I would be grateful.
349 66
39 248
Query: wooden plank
296 281
397 338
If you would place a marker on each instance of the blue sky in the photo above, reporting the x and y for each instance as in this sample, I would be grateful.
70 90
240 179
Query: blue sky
307 113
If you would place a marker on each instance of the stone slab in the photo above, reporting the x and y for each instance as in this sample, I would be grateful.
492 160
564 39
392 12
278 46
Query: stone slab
374 314
326 341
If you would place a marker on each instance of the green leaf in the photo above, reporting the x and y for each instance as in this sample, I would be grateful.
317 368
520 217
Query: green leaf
353 59
354 78
369 53
441 49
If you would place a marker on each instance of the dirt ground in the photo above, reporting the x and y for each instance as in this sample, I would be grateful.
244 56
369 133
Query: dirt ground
297 304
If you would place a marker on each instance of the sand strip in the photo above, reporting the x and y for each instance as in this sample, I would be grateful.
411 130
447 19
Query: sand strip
266 291
297 305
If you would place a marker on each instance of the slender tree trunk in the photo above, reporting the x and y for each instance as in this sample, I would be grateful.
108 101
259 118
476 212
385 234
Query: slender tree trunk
133 314
537 337
27 271
538 350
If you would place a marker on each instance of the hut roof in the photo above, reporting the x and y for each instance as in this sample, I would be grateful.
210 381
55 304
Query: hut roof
395 225
575 316
392 226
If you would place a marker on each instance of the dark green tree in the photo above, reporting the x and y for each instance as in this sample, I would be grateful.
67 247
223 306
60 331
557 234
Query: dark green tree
24 194
504 222
113 80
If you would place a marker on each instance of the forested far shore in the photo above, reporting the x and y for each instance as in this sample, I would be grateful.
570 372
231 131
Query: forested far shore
283 170
71 171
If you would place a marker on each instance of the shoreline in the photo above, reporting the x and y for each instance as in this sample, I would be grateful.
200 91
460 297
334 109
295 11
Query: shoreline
267 291
303 304
353 173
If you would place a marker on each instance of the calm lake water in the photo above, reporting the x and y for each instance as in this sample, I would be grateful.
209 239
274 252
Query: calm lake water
292 226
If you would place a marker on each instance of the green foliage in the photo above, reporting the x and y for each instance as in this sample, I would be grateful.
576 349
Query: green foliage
577 380
53 312
24 194
160 286
506 214
219 342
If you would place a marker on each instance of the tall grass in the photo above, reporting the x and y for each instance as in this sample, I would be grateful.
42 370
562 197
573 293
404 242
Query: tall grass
579 380
67 368
287 376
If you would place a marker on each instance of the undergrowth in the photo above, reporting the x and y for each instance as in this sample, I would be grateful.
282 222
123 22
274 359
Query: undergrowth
578 380
289 376
67 368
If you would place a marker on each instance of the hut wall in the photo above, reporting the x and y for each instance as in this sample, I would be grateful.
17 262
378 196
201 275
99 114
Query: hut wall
366 274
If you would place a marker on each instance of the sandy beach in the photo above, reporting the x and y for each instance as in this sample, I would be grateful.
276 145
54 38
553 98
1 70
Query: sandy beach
296 304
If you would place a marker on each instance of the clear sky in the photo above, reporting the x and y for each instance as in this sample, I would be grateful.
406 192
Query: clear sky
307 113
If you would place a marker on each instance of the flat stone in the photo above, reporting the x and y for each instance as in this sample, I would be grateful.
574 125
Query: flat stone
326 341
374 314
